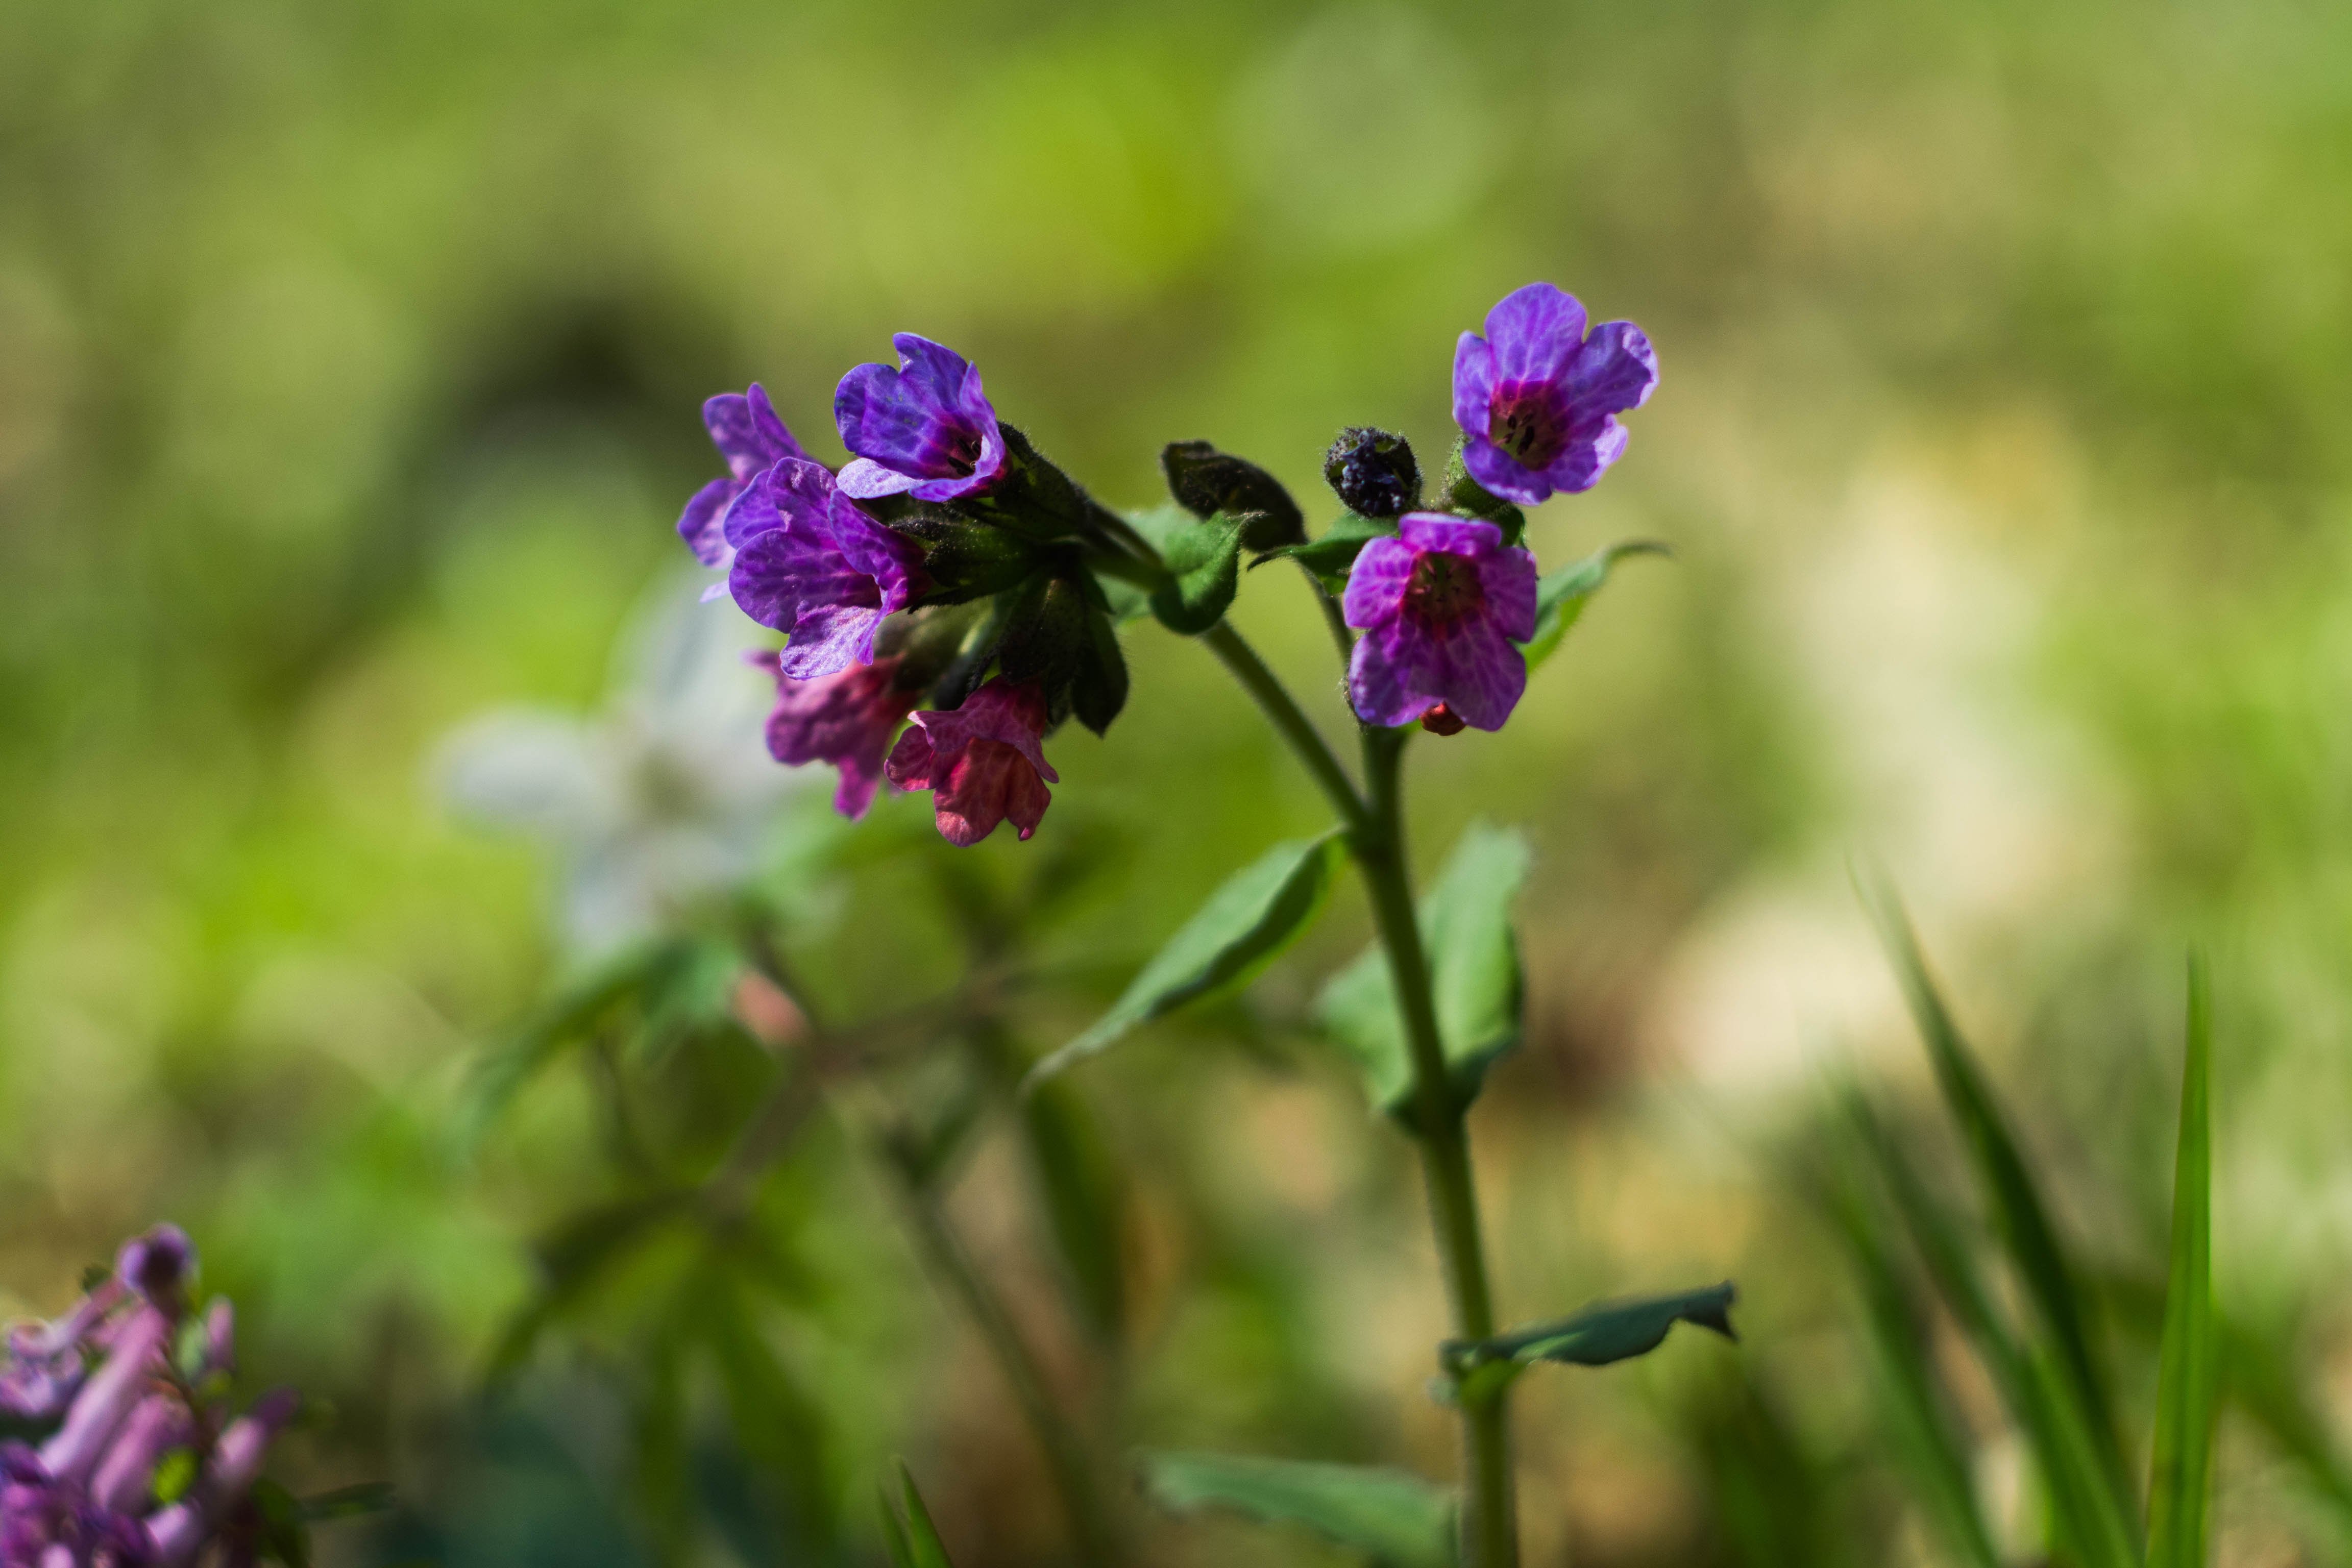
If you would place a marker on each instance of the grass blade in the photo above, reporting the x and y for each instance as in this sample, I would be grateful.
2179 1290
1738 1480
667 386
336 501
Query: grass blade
2182 1462
2021 1217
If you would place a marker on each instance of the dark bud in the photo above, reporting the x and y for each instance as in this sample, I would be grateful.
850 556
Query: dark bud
1206 481
1441 721
1373 472
1058 636
1098 686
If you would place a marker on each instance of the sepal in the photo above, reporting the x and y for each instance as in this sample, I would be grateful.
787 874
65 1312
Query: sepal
1206 482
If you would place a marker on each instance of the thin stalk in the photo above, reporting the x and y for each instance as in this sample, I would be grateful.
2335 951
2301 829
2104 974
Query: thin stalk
1304 740
1065 1453
1490 1520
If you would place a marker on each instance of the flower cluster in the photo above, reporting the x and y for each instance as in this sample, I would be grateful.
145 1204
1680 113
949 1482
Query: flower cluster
140 1463
950 580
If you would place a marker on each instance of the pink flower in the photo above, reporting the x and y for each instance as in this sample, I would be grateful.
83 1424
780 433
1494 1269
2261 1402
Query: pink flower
845 719
1440 606
982 763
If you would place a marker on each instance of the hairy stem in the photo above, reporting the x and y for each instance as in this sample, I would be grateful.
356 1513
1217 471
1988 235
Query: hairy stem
1091 1529
1376 838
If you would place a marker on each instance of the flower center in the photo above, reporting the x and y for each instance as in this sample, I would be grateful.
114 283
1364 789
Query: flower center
1526 421
954 451
1443 590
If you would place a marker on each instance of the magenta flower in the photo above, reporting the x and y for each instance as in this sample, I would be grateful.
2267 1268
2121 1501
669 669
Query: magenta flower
983 763
811 564
924 429
1440 606
845 719
1538 401
745 430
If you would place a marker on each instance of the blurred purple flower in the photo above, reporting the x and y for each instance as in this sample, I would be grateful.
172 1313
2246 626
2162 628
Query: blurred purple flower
77 1499
812 564
924 429
845 719
1538 401
1440 606
984 762
745 430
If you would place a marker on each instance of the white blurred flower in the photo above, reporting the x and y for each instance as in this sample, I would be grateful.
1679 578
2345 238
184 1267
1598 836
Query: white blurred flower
663 796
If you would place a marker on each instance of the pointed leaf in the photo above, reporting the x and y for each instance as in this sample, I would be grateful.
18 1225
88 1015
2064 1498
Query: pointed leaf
1083 1193
1600 1334
1203 568
2181 1468
2021 1217
1331 555
1475 971
1244 927
1392 1517
913 1542
1561 596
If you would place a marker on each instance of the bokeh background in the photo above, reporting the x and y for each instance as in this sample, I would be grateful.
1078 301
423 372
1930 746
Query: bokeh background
349 359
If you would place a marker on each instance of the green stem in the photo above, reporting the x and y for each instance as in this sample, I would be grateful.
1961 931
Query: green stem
1489 1522
1293 725
1066 1454
1376 839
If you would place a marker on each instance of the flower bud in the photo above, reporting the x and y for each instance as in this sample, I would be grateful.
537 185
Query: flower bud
1206 481
1373 472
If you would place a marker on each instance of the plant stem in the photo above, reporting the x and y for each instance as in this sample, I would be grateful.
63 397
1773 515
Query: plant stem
1293 726
1489 1522
1065 1453
1376 839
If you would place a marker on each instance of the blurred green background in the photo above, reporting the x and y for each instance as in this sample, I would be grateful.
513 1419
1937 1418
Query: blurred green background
349 359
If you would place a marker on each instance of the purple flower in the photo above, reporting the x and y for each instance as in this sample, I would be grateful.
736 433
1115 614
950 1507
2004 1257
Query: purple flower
1440 606
812 564
745 430
78 1501
923 429
845 719
1538 401
158 1265
982 763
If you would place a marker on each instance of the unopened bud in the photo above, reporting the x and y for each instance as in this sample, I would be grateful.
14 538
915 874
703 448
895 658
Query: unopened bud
1373 472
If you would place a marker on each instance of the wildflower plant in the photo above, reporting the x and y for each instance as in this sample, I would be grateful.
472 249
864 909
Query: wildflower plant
952 580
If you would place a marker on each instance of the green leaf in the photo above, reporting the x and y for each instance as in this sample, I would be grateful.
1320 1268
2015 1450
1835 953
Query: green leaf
1245 924
2181 1465
1561 596
1392 1517
1332 553
1083 1193
1919 1408
575 1259
1204 567
1475 972
2021 1217
908 1533
1598 1335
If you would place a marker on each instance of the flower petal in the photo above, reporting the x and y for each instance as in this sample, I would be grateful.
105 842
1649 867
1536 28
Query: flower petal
1504 475
1477 673
774 440
1383 687
698 523
991 782
1614 371
1510 578
1579 468
911 759
867 480
1453 535
1474 384
784 573
1535 331
1375 583
830 638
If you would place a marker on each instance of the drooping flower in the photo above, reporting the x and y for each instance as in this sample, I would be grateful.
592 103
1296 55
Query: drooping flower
1537 400
1439 605
984 762
845 719
924 429
79 1498
811 564
749 435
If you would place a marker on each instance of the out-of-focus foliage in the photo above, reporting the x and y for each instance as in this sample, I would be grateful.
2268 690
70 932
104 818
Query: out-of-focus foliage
349 359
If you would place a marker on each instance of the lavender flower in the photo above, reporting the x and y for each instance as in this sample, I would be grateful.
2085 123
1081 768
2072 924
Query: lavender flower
982 763
924 429
845 719
812 564
1538 401
1440 606
745 430
77 1499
